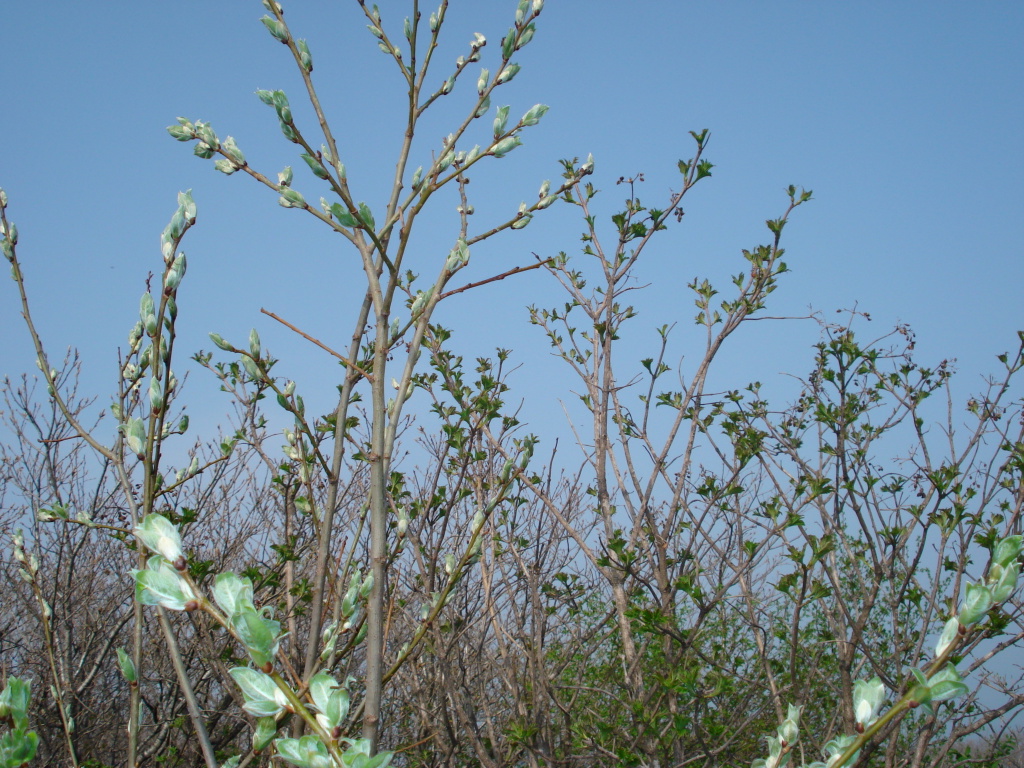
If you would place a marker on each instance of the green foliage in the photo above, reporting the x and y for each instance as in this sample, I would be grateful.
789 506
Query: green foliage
17 744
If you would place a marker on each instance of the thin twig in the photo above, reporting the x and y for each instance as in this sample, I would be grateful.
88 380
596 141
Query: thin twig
502 276
347 363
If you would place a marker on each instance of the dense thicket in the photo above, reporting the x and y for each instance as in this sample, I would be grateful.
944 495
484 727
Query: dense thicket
657 596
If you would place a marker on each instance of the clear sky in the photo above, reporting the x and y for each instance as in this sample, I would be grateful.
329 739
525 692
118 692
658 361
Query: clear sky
904 118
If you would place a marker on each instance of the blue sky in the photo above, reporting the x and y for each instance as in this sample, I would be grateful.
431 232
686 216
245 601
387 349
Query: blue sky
904 118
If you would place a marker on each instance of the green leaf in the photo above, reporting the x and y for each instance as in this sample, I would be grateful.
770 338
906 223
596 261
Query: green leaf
1007 550
260 692
946 684
949 634
307 752
977 603
17 747
266 730
260 636
344 218
233 593
366 216
1006 583
161 585
14 701
127 666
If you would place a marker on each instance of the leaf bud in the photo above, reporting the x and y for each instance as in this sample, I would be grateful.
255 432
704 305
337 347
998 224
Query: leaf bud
233 151
206 133
225 166
135 436
524 6
147 313
481 83
156 395
314 165
534 114
135 335
289 133
507 74
180 133
500 121
219 341
506 145
367 586
252 369
527 35
291 198
276 28
305 57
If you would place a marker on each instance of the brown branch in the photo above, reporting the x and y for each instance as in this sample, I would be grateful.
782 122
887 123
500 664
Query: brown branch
502 276
345 361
